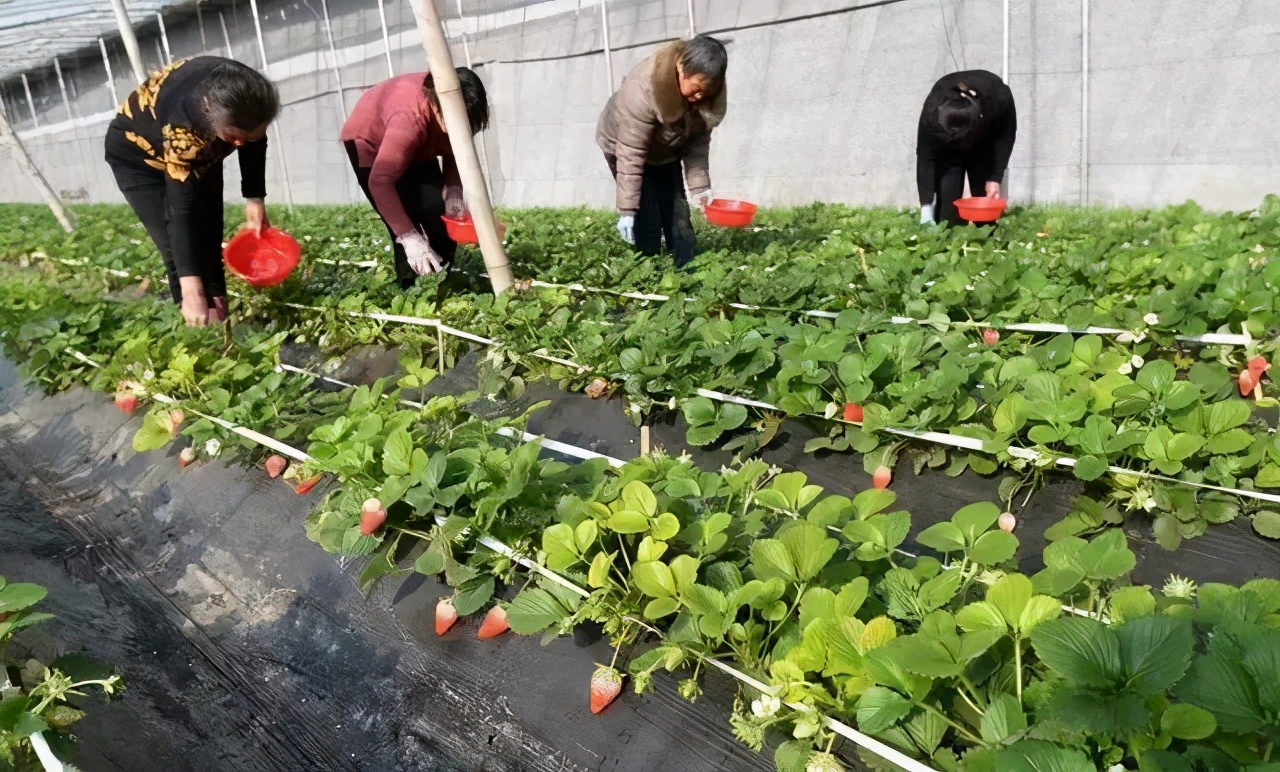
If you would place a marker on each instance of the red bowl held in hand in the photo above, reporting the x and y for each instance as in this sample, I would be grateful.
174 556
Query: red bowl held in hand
463 229
981 209
728 213
263 261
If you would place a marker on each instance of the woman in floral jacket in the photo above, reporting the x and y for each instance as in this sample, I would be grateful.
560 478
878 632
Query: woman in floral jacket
166 147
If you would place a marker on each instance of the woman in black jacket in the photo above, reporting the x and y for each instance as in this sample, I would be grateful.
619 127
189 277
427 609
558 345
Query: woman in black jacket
967 127
166 147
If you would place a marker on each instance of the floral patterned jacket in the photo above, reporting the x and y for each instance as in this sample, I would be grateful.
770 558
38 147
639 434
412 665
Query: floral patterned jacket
161 136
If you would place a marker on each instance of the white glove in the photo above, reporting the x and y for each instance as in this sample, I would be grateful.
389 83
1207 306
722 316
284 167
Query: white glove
422 259
455 205
926 214
627 228
701 200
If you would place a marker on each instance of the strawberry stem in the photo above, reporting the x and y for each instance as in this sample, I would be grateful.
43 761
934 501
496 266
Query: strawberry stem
616 649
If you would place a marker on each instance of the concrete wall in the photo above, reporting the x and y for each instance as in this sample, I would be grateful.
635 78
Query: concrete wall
824 97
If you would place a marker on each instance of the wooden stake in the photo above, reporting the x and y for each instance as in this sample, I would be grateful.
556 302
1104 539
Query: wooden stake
644 440
440 63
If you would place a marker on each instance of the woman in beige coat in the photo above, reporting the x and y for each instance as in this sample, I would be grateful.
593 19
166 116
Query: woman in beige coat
661 118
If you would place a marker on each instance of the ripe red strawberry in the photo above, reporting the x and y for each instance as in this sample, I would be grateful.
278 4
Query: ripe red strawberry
446 615
187 457
606 685
1247 382
305 486
176 417
126 402
275 465
1258 366
853 412
372 516
882 477
494 624
990 337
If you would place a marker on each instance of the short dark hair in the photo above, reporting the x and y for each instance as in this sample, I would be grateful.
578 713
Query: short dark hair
473 96
706 56
239 96
957 118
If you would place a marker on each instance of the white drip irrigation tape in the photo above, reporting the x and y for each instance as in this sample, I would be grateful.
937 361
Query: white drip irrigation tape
1211 338
842 729
572 451
563 448
1226 339
941 438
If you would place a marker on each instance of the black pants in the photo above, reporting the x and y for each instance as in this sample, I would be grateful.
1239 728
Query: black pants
421 190
663 213
949 182
145 193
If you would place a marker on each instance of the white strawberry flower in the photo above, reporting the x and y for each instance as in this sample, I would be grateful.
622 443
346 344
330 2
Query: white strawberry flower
148 375
1125 337
1137 362
765 706
1125 369
212 447
1151 319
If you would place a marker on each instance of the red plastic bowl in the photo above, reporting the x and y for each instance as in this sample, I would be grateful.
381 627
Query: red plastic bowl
262 261
729 213
461 230
981 209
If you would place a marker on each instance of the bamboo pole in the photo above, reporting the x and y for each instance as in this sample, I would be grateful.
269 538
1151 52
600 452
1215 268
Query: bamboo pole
8 137
130 40
440 63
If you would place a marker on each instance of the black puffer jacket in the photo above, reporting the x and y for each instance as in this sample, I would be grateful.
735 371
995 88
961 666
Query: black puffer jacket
988 148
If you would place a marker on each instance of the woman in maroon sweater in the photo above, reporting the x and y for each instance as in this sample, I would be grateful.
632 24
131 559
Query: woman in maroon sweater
394 138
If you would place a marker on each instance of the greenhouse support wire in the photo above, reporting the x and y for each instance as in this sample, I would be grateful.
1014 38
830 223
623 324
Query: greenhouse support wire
941 438
840 728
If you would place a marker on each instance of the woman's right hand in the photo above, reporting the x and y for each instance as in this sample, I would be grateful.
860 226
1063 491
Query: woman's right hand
195 306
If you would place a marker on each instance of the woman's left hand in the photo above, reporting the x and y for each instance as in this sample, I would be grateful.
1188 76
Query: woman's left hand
993 190
255 216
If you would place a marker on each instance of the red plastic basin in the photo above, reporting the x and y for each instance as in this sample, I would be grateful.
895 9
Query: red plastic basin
262 261
981 209
463 229
729 213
